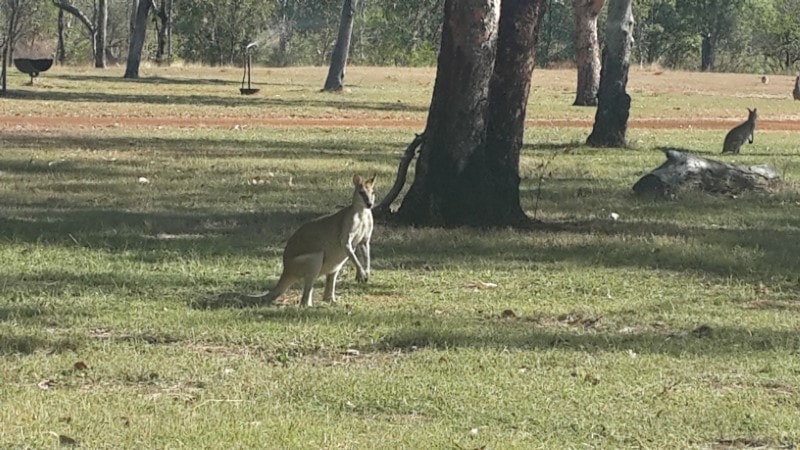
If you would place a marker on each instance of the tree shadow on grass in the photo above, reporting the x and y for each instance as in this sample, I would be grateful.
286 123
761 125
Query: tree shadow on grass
751 255
410 331
28 344
232 101
234 147
142 80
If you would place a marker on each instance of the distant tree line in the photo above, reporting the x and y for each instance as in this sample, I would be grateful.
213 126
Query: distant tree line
719 35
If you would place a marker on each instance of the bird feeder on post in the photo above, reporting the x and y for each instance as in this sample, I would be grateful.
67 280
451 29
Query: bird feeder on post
248 62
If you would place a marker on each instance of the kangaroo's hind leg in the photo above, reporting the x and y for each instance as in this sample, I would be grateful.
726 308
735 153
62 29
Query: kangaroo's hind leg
329 294
308 268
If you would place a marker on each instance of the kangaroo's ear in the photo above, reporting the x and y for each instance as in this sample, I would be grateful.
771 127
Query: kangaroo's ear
371 181
357 179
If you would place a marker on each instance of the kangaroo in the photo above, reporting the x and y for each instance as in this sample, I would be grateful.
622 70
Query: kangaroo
740 133
323 246
796 90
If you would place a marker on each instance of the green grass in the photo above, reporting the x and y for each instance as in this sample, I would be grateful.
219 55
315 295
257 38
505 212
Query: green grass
672 327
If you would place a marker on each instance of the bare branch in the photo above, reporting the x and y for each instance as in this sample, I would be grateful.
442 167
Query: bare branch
72 9
400 180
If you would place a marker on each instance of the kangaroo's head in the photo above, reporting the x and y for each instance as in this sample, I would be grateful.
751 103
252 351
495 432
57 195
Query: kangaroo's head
752 115
363 193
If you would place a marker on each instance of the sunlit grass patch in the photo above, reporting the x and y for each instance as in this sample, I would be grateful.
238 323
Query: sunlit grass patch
670 324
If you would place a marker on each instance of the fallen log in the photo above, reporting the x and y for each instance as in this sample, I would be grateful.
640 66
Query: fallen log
684 171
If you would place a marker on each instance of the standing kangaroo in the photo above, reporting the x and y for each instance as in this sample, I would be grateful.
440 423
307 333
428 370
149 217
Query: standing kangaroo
796 90
323 246
740 133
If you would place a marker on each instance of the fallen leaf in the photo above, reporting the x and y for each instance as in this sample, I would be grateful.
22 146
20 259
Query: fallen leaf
481 285
46 384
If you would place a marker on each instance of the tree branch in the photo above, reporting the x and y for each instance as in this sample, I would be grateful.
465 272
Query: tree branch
400 180
72 9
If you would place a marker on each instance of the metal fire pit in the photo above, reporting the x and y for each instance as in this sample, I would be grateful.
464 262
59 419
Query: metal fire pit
33 66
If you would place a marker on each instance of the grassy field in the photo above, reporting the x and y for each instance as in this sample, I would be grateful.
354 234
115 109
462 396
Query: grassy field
675 326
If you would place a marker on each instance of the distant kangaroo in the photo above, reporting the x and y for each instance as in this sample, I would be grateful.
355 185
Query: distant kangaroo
323 246
796 91
740 133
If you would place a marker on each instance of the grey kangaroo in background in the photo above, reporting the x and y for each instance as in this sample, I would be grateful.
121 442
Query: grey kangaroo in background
740 133
796 91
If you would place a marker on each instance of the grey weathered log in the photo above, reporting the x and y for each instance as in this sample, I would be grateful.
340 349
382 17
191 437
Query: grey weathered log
685 171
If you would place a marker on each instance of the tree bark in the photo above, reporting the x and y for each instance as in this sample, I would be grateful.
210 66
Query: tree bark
137 39
284 40
707 54
508 100
467 172
613 106
164 32
61 48
8 44
334 81
587 50
100 34
684 171
442 191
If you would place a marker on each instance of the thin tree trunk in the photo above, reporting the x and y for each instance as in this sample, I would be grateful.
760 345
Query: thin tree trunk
162 27
137 39
61 48
169 32
100 34
334 81
707 54
587 50
613 108
284 41
11 28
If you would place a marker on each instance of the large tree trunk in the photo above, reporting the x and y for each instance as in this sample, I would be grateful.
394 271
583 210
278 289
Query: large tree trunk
508 99
100 35
468 168
613 106
341 50
443 191
137 39
587 50
684 171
